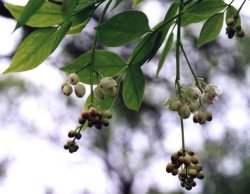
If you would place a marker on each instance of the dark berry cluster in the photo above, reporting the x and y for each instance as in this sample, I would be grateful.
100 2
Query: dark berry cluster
95 117
233 27
186 165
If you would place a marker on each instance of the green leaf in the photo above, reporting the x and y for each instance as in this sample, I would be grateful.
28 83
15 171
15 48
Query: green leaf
61 32
231 11
206 7
33 50
36 48
211 29
31 7
106 63
68 9
123 28
136 2
133 88
49 14
188 18
81 19
165 52
150 43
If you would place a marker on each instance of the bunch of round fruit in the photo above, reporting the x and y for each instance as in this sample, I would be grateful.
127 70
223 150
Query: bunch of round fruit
186 165
95 117
79 88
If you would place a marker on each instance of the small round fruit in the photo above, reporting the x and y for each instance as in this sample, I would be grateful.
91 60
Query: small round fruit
80 90
188 187
174 157
81 120
192 173
99 93
241 34
73 78
175 172
93 112
230 21
107 83
194 160
66 146
200 175
78 136
169 167
186 161
209 116
85 115
105 122
107 114
71 133
67 90
184 111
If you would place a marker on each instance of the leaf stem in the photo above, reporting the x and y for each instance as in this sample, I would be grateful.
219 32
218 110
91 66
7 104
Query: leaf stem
93 51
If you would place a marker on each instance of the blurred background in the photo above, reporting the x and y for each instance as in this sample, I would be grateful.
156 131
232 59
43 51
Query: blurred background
130 156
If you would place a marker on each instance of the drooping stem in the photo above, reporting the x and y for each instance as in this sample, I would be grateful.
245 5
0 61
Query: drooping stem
177 79
182 137
93 51
190 67
241 6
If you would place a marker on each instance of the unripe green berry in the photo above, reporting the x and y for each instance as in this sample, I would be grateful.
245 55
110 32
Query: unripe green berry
183 173
98 126
180 153
188 186
113 92
200 175
209 116
230 21
80 90
238 27
107 83
192 173
184 111
174 105
174 157
175 172
194 160
90 124
66 146
99 93
190 152
67 90
198 167
81 120
107 114
201 117
71 133
105 122
73 78
85 115
241 34
78 136
193 183
93 112
169 167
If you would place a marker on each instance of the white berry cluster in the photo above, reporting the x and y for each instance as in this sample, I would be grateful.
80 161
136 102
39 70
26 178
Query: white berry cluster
79 88
194 99
106 87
